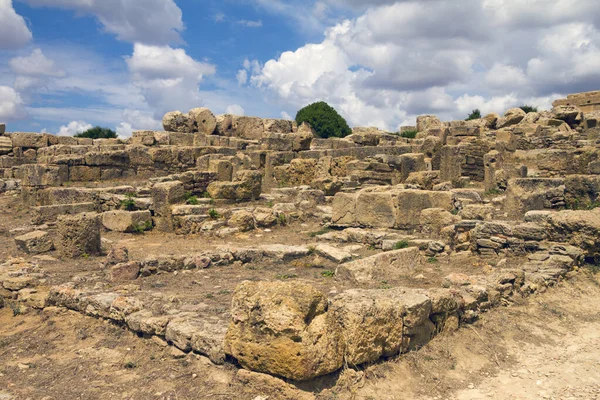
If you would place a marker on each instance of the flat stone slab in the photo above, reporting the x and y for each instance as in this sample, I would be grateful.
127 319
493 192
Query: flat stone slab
333 253
384 266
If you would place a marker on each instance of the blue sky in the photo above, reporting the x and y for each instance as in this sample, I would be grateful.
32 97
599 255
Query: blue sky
69 64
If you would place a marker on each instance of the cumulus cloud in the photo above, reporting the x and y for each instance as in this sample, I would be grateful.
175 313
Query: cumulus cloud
14 32
73 128
168 78
398 59
148 21
234 109
33 71
11 104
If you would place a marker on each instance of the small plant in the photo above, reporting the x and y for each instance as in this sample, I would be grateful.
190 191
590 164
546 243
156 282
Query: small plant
128 203
85 255
528 109
141 228
403 244
206 195
385 285
432 260
209 296
282 219
311 250
475 114
328 274
409 134
270 203
192 201
15 307
130 365
214 214
320 232
224 292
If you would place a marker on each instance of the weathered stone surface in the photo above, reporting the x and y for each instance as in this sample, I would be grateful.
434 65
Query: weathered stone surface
371 322
242 219
203 121
511 117
332 253
127 221
6 145
2 129
117 254
124 272
344 209
375 210
176 121
386 266
283 329
79 235
410 204
29 140
36 242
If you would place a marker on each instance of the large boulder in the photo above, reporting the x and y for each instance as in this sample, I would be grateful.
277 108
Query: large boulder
176 121
284 329
510 118
202 120
79 235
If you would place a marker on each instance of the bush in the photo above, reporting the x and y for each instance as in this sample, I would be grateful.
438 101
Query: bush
411 134
475 114
98 133
528 109
324 120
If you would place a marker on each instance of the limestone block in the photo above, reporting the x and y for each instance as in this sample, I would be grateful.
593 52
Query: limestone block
344 209
375 210
388 266
79 235
36 242
127 221
176 121
29 140
283 329
203 121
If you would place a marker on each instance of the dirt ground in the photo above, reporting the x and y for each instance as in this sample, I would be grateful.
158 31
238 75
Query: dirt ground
544 347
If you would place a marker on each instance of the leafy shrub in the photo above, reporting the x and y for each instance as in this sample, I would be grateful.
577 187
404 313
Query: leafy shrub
98 133
324 120
191 199
528 109
214 214
410 134
475 114
403 244
129 202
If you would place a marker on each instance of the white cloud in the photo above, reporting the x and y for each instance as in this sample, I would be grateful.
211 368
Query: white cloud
399 59
11 104
250 24
124 130
220 17
168 78
73 128
14 32
285 115
242 77
36 64
234 109
148 21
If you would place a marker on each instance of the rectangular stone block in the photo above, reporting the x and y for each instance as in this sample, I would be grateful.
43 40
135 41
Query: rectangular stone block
29 140
410 203
344 209
388 266
375 210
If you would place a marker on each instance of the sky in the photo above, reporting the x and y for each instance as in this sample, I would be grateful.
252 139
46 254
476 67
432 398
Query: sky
67 65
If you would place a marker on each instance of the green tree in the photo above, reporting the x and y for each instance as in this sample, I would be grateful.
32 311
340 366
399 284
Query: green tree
98 133
324 120
528 109
475 114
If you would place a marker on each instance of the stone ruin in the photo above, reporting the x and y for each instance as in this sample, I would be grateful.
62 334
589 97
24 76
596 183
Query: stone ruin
327 252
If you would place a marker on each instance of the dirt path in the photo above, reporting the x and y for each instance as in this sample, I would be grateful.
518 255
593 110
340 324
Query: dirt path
548 347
